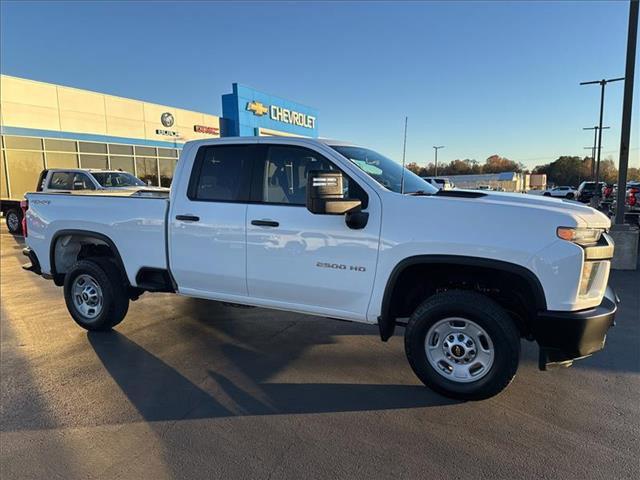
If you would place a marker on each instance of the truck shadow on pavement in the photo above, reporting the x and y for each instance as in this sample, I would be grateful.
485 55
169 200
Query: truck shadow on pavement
159 392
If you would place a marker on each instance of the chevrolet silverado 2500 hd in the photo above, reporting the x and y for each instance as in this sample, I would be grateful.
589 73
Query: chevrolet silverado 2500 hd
338 230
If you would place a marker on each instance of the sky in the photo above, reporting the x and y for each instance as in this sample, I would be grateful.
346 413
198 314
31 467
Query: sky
480 78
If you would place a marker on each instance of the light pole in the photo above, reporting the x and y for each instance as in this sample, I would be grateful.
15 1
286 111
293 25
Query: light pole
593 153
602 83
436 150
632 40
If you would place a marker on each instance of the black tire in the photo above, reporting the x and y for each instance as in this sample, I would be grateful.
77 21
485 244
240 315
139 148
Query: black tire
115 301
569 196
546 194
13 218
485 313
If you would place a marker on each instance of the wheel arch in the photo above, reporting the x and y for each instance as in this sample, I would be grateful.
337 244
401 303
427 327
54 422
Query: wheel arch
82 237
387 319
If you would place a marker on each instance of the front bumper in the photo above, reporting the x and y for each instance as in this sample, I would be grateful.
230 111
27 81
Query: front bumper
566 336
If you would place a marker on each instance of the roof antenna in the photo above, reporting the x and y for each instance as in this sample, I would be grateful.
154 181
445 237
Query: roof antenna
404 151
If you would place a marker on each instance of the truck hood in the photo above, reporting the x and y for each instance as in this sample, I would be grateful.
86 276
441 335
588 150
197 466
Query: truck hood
583 214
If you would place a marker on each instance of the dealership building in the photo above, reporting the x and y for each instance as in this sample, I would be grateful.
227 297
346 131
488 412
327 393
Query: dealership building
53 126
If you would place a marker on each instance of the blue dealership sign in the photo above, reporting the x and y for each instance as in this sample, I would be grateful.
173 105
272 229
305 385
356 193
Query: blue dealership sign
249 112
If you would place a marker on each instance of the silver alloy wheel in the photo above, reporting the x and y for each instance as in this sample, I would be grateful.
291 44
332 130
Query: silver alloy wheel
459 349
13 221
87 296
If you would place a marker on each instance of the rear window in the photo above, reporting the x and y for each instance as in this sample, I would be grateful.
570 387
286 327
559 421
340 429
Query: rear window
61 181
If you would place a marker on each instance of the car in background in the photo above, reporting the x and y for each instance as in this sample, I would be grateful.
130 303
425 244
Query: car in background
609 191
631 203
564 192
74 179
441 183
484 187
56 179
587 190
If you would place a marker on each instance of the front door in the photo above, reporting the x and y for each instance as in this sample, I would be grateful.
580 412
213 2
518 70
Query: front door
298 260
207 230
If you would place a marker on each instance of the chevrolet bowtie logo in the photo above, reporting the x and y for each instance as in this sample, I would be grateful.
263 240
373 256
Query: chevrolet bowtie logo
257 108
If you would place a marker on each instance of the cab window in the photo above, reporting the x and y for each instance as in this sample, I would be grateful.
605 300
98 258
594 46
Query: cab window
82 182
282 178
61 181
222 173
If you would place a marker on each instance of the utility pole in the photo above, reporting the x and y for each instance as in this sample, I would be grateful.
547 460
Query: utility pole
593 154
436 150
602 83
632 39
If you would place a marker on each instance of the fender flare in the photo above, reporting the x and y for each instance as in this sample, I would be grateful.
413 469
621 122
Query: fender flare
387 324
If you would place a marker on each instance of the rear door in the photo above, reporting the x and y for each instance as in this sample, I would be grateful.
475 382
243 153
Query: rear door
298 260
207 228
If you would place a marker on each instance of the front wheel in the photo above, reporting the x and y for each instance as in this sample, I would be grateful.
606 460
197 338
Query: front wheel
95 294
463 345
14 221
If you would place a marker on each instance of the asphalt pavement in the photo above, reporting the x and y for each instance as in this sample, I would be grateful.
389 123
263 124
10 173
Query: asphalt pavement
187 388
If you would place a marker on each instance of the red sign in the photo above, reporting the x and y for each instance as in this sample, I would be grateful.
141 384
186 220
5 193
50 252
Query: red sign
209 130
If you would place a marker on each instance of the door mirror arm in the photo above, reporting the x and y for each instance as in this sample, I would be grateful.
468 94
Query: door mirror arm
357 219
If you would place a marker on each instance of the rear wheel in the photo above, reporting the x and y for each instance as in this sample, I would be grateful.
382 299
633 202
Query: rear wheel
95 294
546 194
569 195
13 218
462 345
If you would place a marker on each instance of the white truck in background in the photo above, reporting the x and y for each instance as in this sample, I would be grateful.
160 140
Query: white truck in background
337 230
73 179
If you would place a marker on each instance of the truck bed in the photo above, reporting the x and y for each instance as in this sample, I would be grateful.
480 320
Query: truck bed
132 220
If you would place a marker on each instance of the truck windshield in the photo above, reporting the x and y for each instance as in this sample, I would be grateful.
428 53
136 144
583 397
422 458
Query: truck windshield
117 179
385 171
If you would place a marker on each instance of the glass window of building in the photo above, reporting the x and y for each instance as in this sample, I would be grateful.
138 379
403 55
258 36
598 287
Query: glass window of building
23 143
25 168
167 167
122 163
62 160
146 151
168 152
147 170
93 161
90 147
120 149
52 145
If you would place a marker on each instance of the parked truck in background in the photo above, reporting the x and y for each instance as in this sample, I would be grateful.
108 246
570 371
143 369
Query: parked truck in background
73 179
331 229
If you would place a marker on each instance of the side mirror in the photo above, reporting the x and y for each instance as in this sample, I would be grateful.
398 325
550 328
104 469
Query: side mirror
325 194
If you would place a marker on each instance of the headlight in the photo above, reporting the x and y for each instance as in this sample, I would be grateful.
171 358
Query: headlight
581 236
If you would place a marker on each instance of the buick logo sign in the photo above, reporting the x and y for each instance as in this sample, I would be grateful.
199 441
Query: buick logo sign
167 119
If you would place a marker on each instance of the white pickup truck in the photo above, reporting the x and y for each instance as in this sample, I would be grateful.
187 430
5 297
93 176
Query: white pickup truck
340 231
